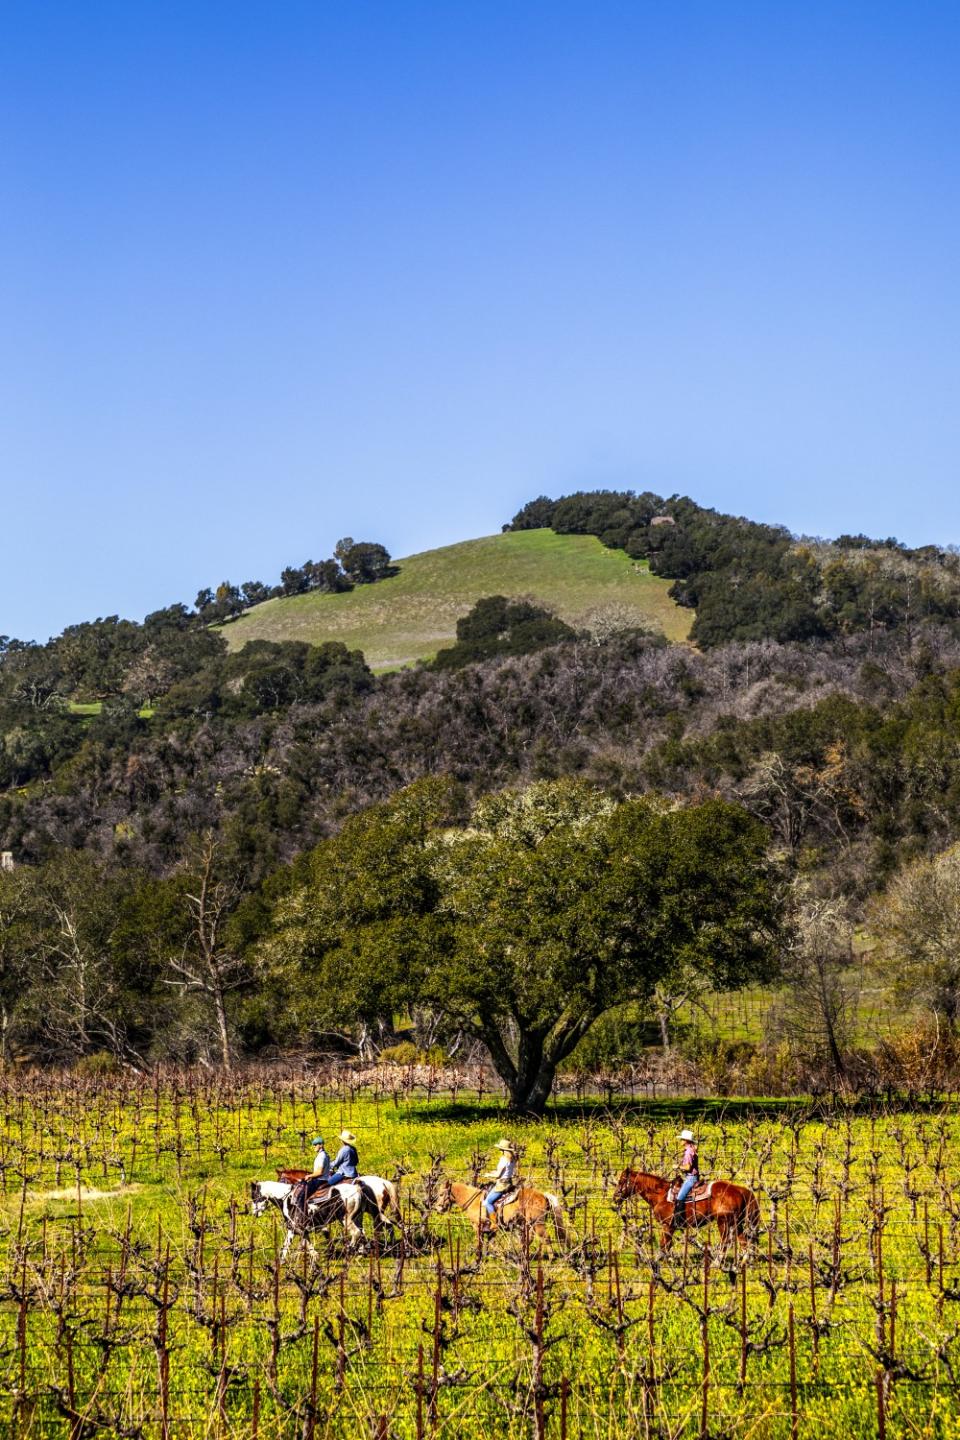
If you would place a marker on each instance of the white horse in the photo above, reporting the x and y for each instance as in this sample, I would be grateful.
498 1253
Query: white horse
383 1191
349 1201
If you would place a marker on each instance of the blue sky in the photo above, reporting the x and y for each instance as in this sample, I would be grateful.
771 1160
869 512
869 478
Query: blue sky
273 273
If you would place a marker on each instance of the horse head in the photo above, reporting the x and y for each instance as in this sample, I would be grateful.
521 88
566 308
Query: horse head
444 1199
258 1203
624 1187
638 1182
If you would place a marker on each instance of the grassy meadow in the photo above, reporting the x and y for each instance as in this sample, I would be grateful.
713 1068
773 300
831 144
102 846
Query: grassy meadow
141 1298
413 614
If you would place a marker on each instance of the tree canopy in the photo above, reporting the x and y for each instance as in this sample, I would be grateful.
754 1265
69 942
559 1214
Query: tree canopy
547 908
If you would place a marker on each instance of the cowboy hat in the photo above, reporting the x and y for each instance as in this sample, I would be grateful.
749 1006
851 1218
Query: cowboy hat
348 1137
505 1145
686 1135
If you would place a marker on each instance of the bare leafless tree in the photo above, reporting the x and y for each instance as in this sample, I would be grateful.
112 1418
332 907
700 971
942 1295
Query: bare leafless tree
817 1005
206 964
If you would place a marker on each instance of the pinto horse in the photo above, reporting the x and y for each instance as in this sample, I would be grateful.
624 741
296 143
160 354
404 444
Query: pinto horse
383 1191
734 1207
348 1202
528 1207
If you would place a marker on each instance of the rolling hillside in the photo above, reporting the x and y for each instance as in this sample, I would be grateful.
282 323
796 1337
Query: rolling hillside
413 614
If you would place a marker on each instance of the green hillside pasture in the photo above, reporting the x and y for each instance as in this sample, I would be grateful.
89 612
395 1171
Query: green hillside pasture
140 1296
414 614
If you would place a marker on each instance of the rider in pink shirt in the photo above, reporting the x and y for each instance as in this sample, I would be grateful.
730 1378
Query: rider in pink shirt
690 1165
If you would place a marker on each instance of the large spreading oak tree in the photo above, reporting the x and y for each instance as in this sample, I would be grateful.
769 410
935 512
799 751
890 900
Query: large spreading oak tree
547 908
565 907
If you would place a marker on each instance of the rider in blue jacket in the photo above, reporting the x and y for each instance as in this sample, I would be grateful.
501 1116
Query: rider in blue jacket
346 1162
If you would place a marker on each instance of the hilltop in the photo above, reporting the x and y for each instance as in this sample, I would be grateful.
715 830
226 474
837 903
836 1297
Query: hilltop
413 614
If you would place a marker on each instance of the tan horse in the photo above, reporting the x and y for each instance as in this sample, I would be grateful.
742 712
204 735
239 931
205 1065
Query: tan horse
531 1208
734 1207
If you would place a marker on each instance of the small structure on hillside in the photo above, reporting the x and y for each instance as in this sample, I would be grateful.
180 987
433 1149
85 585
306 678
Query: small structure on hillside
6 860
663 520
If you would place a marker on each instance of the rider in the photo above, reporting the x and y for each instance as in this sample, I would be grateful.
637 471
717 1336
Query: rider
346 1162
503 1177
320 1176
690 1166
321 1160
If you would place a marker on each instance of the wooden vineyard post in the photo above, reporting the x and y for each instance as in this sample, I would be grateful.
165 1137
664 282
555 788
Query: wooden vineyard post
164 1349
23 1410
74 1432
341 1325
814 1331
926 1241
255 1419
794 1421
742 1374
564 1397
420 1391
437 1324
705 1346
309 1424
539 1418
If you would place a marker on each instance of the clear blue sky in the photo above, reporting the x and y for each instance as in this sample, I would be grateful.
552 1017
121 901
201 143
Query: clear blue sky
272 273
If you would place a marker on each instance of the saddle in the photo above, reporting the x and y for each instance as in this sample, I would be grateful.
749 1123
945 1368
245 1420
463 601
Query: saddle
703 1191
508 1196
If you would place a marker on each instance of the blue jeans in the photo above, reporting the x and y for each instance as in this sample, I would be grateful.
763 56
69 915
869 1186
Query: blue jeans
681 1200
338 1177
491 1198
685 1188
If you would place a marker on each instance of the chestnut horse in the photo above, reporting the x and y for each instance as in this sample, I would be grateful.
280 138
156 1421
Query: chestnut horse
530 1207
734 1207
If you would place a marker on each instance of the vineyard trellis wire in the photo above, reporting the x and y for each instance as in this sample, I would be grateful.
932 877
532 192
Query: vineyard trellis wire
158 1305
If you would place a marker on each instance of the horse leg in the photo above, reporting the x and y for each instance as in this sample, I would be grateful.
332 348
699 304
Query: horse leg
288 1241
664 1218
354 1231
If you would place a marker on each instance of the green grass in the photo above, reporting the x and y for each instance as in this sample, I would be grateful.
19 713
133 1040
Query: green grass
94 707
414 614
162 1224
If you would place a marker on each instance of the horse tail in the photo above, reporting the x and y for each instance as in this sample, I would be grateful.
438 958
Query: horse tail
556 1214
391 1198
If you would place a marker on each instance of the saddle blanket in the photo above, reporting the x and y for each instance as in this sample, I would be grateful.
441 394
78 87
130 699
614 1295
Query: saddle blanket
509 1196
703 1191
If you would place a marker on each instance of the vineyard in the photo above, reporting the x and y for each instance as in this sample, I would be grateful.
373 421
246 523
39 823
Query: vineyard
140 1297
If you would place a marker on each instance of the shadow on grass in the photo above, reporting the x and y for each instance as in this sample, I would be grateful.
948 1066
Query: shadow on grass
568 1109
688 1109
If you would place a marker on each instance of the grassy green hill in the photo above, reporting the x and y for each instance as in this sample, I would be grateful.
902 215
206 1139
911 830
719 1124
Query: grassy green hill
414 614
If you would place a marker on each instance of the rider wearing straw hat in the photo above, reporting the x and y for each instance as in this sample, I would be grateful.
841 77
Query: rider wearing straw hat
346 1162
690 1166
504 1177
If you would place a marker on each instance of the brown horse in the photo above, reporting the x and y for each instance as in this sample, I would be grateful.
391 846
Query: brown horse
734 1207
530 1207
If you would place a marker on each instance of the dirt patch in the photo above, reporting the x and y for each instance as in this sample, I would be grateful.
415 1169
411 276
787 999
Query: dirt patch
84 1193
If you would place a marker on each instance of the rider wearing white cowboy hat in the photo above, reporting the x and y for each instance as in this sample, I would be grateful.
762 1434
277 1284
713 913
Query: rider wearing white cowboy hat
689 1164
346 1162
503 1177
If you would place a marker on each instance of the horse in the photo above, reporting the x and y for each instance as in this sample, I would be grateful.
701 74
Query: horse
383 1191
734 1207
348 1202
527 1207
